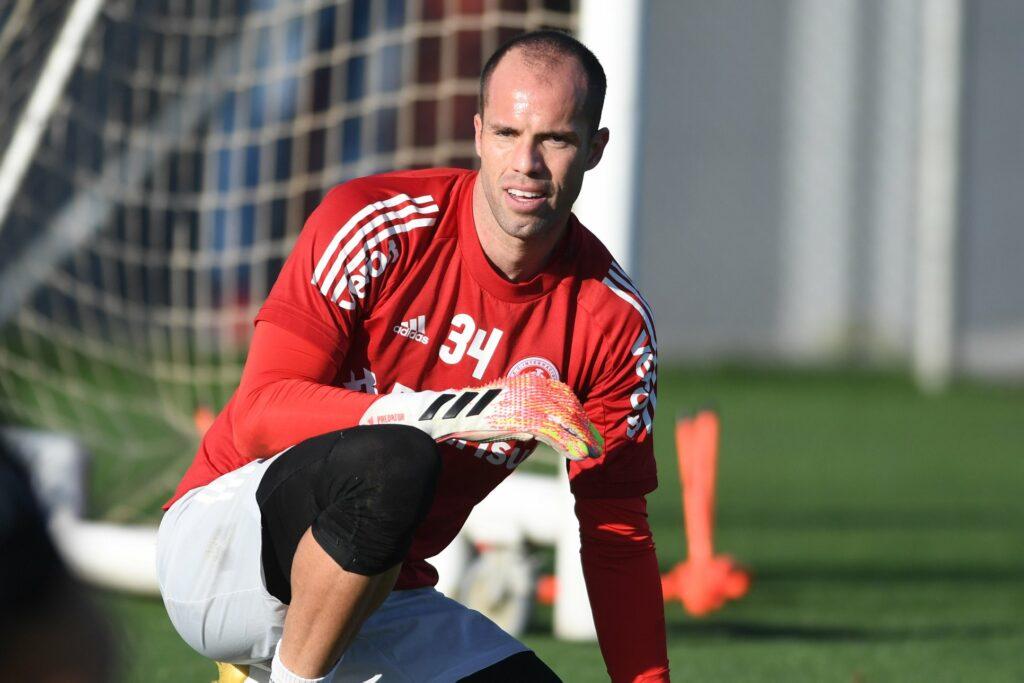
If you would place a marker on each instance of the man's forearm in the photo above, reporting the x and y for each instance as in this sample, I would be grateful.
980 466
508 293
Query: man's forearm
284 397
286 412
624 585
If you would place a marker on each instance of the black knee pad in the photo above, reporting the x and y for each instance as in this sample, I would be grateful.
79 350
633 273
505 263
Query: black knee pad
523 666
363 491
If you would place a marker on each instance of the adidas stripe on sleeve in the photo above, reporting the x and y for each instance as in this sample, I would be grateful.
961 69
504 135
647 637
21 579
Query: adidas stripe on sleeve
644 352
623 397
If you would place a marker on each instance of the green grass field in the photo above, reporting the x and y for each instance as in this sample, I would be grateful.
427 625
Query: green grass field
885 531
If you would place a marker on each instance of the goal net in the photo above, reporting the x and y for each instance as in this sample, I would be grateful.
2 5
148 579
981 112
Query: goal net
191 140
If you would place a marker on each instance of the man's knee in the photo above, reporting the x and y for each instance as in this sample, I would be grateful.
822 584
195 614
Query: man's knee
369 523
362 490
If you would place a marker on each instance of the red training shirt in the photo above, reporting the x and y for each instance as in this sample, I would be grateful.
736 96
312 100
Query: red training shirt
388 289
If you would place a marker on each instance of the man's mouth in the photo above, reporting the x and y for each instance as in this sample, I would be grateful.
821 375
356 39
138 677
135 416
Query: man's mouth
526 201
523 194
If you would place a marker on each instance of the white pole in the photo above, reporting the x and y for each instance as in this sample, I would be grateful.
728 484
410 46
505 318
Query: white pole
817 175
111 556
572 618
59 65
614 32
608 203
502 520
937 169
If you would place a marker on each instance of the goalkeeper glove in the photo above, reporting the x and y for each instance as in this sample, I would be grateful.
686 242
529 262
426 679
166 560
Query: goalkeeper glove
519 408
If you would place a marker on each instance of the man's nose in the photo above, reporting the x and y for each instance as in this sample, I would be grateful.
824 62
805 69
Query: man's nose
527 158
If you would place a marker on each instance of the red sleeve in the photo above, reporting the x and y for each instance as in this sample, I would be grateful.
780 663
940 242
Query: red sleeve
621 405
624 586
337 271
284 398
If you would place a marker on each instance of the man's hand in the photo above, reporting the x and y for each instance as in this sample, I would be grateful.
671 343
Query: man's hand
518 408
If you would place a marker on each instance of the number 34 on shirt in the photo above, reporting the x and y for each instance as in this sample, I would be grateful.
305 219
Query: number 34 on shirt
464 339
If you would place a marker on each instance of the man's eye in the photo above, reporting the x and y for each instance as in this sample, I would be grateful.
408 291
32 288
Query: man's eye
504 133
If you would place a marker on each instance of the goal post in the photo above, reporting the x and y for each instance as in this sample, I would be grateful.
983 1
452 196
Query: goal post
608 204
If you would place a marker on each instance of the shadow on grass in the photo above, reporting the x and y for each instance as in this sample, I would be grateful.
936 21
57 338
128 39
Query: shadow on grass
737 630
874 519
875 574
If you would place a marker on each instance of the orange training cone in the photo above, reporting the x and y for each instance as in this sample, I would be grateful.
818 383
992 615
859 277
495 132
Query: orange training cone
705 581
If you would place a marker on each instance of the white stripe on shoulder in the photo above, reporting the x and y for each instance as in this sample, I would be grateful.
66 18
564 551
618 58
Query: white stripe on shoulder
370 208
629 299
361 255
361 243
370 219
629 286
627 293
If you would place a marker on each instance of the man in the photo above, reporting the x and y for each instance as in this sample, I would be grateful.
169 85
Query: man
400 287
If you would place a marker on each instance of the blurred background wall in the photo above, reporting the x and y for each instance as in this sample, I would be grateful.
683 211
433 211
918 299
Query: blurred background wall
779 170
991 324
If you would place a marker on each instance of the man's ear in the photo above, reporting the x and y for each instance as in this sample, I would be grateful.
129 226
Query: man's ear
478 127
597 144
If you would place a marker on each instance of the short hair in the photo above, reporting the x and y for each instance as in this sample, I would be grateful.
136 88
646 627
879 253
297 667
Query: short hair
549 44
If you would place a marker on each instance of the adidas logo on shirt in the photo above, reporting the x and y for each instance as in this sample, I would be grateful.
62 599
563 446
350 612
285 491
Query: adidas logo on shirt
413 329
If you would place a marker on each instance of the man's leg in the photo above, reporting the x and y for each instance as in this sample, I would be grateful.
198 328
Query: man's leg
328 606
339 512
210 570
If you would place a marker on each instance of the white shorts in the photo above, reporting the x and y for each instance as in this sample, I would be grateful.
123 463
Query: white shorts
211 578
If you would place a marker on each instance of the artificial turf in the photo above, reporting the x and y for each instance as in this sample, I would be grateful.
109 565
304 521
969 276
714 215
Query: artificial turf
884 528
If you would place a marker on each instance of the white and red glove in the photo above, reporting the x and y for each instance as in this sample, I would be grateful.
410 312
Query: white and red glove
520 408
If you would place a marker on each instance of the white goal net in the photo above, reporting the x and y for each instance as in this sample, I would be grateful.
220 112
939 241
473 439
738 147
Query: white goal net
175 171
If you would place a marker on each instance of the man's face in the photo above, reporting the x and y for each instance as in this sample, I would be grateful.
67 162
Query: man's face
534 144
